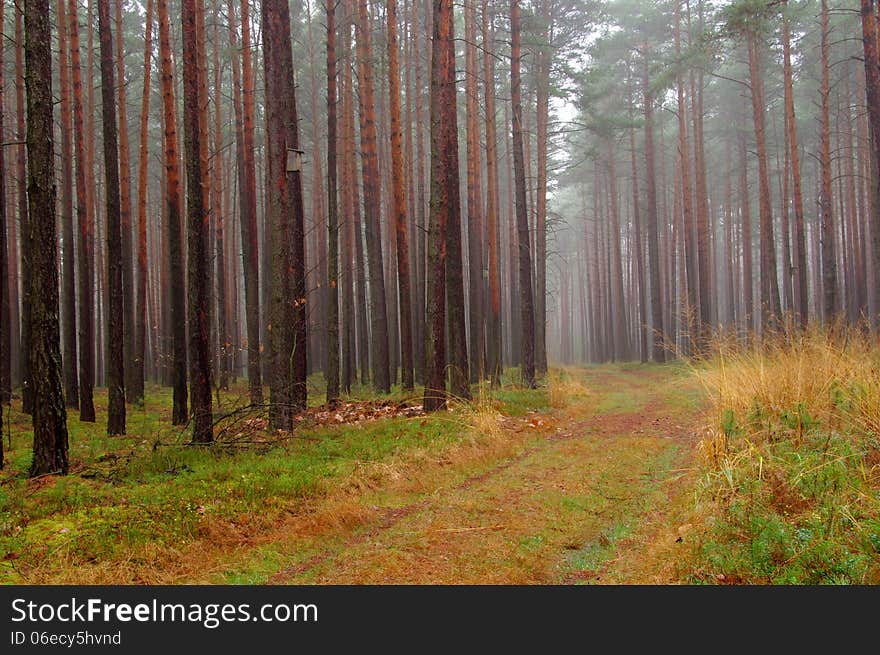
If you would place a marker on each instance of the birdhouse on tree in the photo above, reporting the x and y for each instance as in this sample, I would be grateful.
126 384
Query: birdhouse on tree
294 160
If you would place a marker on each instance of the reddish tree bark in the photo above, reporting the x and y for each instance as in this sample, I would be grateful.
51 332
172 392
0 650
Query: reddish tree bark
379 357
770 307
175 287
197 222
444 200
85 232
400 217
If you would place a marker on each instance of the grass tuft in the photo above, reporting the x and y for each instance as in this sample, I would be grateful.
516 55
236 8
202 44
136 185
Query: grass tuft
791 460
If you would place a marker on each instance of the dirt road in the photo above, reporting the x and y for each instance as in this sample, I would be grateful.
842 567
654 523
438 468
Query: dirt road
593 492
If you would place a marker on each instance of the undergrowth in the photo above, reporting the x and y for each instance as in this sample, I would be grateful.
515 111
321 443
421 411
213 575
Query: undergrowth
790 462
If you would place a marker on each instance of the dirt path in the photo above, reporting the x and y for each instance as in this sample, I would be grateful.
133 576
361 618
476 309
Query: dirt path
595 495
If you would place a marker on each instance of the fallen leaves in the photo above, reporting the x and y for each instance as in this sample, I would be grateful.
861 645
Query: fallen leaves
359 412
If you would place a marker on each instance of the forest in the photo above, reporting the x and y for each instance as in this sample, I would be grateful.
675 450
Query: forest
533 291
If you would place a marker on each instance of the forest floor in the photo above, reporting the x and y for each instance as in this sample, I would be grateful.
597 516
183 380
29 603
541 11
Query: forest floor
594 493
588 479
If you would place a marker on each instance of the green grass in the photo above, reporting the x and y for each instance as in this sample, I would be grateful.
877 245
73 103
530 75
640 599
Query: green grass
150 490
787 509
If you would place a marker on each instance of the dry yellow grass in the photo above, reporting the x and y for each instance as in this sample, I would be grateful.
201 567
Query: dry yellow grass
563 387
832 376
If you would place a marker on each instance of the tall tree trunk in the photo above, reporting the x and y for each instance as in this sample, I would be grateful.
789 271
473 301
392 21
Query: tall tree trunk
128 296
49 413
692 312
197 221
85 231
493 325
657 352
332 370
5 350
349 270
445 200
638 253
474 197
621 347
872 92
770 306
400 217
287 304
68 263
830 302
421 224
379 366
542 111
224 338
136 390
800 250
704 265
242 84
6 279
746 227
115 309
27 392
177 318
527 310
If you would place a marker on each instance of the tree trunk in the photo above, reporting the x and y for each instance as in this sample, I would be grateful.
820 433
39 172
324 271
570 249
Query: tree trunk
746 227
400 217
242 77
68 263
770 307
224 338
830 302
27 393
474 197
872 92
420 233
287 304
658 353
197 221
692 313
527 311
332 371
49 414
638 253
177 318
5 350
379 366
542 111
444 200
85 231
115 309
128 296
136 391
493 325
